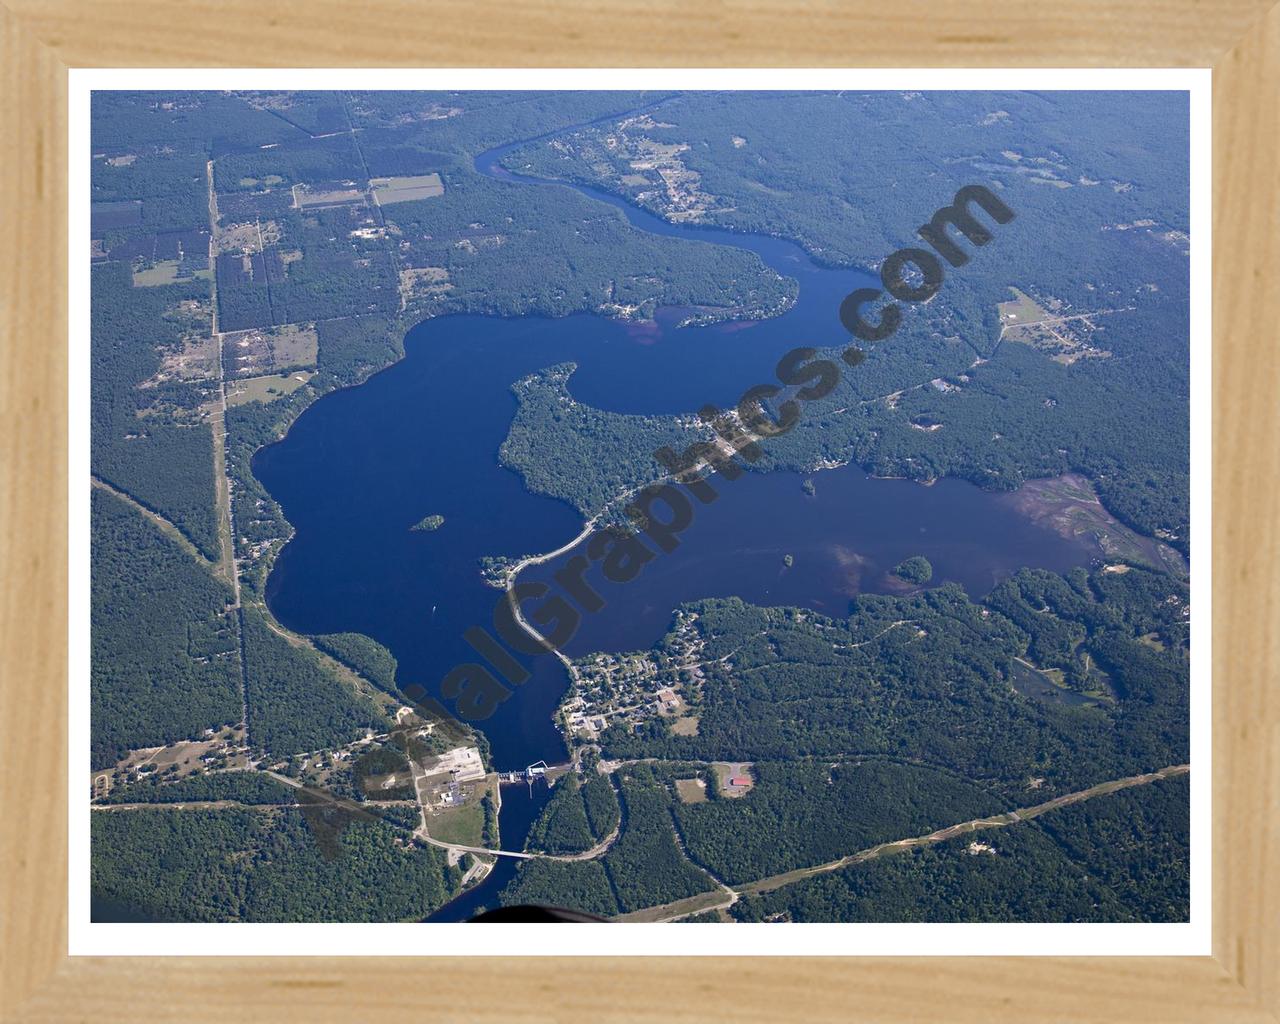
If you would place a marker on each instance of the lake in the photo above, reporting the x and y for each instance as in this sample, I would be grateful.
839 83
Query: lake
361 466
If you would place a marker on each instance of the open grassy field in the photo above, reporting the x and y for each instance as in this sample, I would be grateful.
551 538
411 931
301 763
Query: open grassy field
406 189
463 824
1021 309
293 345
304 198
265 389
691 791
164 272
269 180
685 726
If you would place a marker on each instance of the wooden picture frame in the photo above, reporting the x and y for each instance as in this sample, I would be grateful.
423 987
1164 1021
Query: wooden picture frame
42 39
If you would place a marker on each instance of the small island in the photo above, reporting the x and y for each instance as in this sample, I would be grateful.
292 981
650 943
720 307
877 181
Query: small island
429 523
788 560
915 570
809 488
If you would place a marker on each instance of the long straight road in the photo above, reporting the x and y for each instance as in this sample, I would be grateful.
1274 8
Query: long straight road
709 901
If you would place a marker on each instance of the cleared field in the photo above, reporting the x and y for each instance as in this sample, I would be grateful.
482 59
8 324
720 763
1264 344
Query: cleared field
183 756
196 360
265 389
698 904
463 824
421 282
269 180
1044 684
262 352
686 726
125 213
294 345
247 236
1064 337
406 189
305 199
166 272
1021 310
691 791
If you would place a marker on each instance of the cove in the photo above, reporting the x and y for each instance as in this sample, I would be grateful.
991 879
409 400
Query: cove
843 540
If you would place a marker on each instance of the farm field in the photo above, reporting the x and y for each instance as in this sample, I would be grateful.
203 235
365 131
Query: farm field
387 191
307 197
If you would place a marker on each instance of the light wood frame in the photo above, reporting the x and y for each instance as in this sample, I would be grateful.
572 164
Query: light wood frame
41 39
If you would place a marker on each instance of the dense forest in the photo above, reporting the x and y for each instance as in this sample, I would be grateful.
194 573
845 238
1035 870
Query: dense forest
577 816
394 124
317 268
295 703
574 885
1118 857
803 813
352 348
644 866
242 865
587 456
915 569
552 251
780 163
366 656
245 787
154 443
165 665
1133 866
926 679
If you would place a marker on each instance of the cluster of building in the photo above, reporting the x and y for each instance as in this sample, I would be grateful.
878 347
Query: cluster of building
631 688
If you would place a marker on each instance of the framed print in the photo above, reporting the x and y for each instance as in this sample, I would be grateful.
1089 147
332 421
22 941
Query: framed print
820 506
557 664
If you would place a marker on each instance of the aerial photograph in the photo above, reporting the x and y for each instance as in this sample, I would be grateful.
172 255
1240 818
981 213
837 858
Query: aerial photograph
651 506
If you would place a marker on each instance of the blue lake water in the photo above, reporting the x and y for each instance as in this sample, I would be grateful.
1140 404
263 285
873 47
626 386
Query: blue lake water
362 465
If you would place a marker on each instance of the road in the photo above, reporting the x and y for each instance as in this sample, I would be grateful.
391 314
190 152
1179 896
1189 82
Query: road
229 570
169 528
678 909
1064 319
724 896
